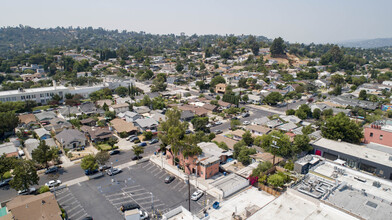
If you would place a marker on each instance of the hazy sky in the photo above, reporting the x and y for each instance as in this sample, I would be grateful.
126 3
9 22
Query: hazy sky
301 21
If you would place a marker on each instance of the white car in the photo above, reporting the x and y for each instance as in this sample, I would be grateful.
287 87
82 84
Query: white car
197 195
143 215
218 123
28 191
53 183
246 123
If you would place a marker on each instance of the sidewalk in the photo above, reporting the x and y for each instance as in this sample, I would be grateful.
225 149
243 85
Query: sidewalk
76 181
267 109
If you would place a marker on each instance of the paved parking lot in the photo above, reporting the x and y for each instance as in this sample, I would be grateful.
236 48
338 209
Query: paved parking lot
70 204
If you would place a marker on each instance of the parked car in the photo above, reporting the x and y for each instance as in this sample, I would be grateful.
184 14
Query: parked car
28 191
143 215
169 179
246 123
143 144
218 123
208 125
53 183
134 139
218 131
90 172
129 206
130 137
113 152
153 141
5 182
235 118
245 115
197 195
87 218
137 157
104 167
51 170
36 111
114 171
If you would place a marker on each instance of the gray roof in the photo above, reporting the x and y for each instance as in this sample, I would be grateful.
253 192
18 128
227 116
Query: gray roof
261 121
31 144
41 132
353 101
45 116
187 114
287 127
69 135
65 111
50 142
141 109
146 122
7 148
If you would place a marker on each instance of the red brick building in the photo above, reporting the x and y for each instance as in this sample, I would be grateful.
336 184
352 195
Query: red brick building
379 132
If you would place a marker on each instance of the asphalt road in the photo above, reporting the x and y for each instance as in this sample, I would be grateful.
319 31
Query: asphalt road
75 171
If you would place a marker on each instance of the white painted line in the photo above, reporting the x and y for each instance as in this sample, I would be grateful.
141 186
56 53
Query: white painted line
116 194
139 194
149 168
68 200
176 186
74 214
70 210
132 191
130 187
119 199
154 170
149 202
64 197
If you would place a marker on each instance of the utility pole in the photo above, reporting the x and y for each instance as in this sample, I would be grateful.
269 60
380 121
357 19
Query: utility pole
189 189
274 145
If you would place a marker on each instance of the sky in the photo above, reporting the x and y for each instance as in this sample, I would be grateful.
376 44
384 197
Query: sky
302 21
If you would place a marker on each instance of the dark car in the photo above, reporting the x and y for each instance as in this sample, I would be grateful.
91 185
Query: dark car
90 172
169 179
87 218
104 167
129 206
51 170
143 144
5 182
134 139
153 141
113 152
218 131
245 115
137 157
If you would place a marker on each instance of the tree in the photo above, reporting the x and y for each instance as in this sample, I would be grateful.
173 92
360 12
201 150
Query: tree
301 143
137 150
9 121
316 113
110 115
179 67
247 138
275 138
341 127
307 130
245 98
337 79
242 152
234 123
216 80
43 153
275 180
112 141
243 83
121 91
290 112
158 84
327 113
89 163
148 135
102 157
277 47
362 95
6 164
273 98
24 174
200 124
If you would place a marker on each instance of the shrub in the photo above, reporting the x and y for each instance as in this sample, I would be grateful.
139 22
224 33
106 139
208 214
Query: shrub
7 175
43 189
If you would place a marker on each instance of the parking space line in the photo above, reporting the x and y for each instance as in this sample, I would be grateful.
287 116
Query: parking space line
176 186
63 197
151 169
154 170
67 199
132 191
149 202
129 187
70 210
147 164
118 199
139 194
159 172
75 213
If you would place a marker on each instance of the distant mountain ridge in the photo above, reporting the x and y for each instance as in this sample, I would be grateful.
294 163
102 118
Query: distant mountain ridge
370 43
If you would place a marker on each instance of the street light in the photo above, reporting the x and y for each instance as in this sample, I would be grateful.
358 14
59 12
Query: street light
152 203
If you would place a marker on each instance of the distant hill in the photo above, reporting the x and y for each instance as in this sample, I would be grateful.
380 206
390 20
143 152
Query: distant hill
370 43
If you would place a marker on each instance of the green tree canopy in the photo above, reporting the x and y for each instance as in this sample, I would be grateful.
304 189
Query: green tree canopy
43 153
277 47
121 91
341 127
200 124
216 80
273 98
137 150
25 175
89 163
102 157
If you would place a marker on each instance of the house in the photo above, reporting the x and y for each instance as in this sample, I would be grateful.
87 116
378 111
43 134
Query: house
102 102
287 127
30 145
211 149
96 134
83 74
141 109
352 101
224 105
45 116
187 115
27 120
88 122
260 121
379 132
129 116
209 107
146 124
122 126
228 141
42 133
291 118
71 139
220 88
258 130
89 108
237 134
274 123
68 111
254 99
119 107
158 117
320 83
9 149
57 125
41 206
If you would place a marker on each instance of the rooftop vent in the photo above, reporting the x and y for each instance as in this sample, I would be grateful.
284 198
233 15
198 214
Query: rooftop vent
371 204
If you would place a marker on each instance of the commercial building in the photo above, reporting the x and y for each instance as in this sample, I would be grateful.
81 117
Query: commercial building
356 156
379 132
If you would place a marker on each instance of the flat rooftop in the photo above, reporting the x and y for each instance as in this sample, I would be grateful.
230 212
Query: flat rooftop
292 205
250 198
33 90
355 150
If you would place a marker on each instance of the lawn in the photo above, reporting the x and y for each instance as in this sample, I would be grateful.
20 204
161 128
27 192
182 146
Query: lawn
104 147
44 107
